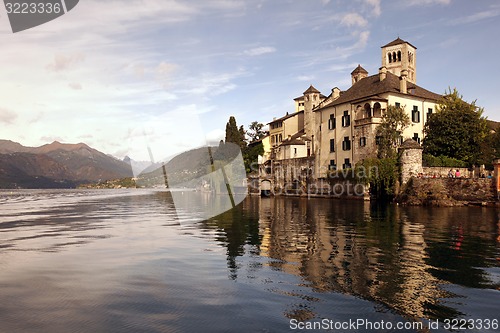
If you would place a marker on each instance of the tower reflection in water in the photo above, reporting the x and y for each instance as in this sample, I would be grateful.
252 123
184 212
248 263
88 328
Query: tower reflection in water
397 257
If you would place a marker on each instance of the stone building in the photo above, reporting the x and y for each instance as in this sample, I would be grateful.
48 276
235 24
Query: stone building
339 130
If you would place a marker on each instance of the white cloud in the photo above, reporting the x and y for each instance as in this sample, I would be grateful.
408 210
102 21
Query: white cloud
307 78
427 2
214 136
353 20
476 17
165 68
64 62
257 51
7 116
376 10
75 86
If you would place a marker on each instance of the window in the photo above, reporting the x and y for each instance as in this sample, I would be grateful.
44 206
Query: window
346 144
332 145
331 122
295 151
347 164
332 165
346 119
378 140
362 141
415 137
415 115
398 105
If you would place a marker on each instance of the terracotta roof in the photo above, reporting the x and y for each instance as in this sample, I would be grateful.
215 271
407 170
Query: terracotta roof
359 69
301 98
298 138
310 90
286 117
371 86
398 41
410 144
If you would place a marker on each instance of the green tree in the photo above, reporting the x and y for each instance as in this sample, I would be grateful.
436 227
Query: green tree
457 130
251 156
233 134
394 121
255 131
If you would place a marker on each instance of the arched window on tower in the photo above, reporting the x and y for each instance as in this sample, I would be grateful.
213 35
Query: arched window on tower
390 57
368 111
377 112
394 56
399 55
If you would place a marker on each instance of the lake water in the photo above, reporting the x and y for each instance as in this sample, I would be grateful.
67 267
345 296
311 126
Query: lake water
127 261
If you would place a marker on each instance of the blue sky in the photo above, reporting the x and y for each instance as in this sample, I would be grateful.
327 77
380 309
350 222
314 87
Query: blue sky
125 75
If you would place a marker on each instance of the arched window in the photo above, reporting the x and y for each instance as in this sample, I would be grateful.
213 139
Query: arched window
390 57
377 112
359 112
394 56
399 55
368 110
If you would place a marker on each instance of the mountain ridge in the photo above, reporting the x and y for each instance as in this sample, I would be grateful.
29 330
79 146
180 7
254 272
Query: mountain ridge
58 163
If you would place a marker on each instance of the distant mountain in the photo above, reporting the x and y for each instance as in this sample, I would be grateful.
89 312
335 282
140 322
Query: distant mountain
183 167
7 146
24 170
187 168
58 162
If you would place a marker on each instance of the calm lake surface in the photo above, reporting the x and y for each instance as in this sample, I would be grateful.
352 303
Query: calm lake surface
127 261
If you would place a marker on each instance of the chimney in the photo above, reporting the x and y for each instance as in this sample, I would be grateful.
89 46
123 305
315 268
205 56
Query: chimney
402 81
382 73
335 93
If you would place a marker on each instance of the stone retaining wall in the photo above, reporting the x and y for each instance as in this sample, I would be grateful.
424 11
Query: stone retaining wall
449 192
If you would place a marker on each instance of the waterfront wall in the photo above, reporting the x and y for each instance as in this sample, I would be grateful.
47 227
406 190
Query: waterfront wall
443 172
295 177
448 192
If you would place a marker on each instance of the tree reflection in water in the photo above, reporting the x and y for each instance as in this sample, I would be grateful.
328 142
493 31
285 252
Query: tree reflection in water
399 257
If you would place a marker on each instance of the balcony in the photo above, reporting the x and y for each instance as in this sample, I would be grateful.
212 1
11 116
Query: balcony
367 121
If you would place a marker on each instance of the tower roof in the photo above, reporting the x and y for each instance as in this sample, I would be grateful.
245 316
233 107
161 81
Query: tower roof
398 41
311 90
359 69
410 144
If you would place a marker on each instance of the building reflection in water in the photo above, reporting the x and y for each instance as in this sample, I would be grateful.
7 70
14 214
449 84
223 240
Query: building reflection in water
398 257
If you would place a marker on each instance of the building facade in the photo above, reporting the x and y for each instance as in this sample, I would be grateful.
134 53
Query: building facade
339 130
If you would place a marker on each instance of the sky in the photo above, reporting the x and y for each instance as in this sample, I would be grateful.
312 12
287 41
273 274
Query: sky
125 75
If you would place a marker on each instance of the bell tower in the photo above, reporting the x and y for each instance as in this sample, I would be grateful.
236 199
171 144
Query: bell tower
400 55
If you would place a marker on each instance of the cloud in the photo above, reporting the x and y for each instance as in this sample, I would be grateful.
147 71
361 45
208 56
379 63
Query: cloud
353 20
257 51
64 62
427 2
307 78
476 17
209 84
75 86
7 116
214 136
376 10
165 68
